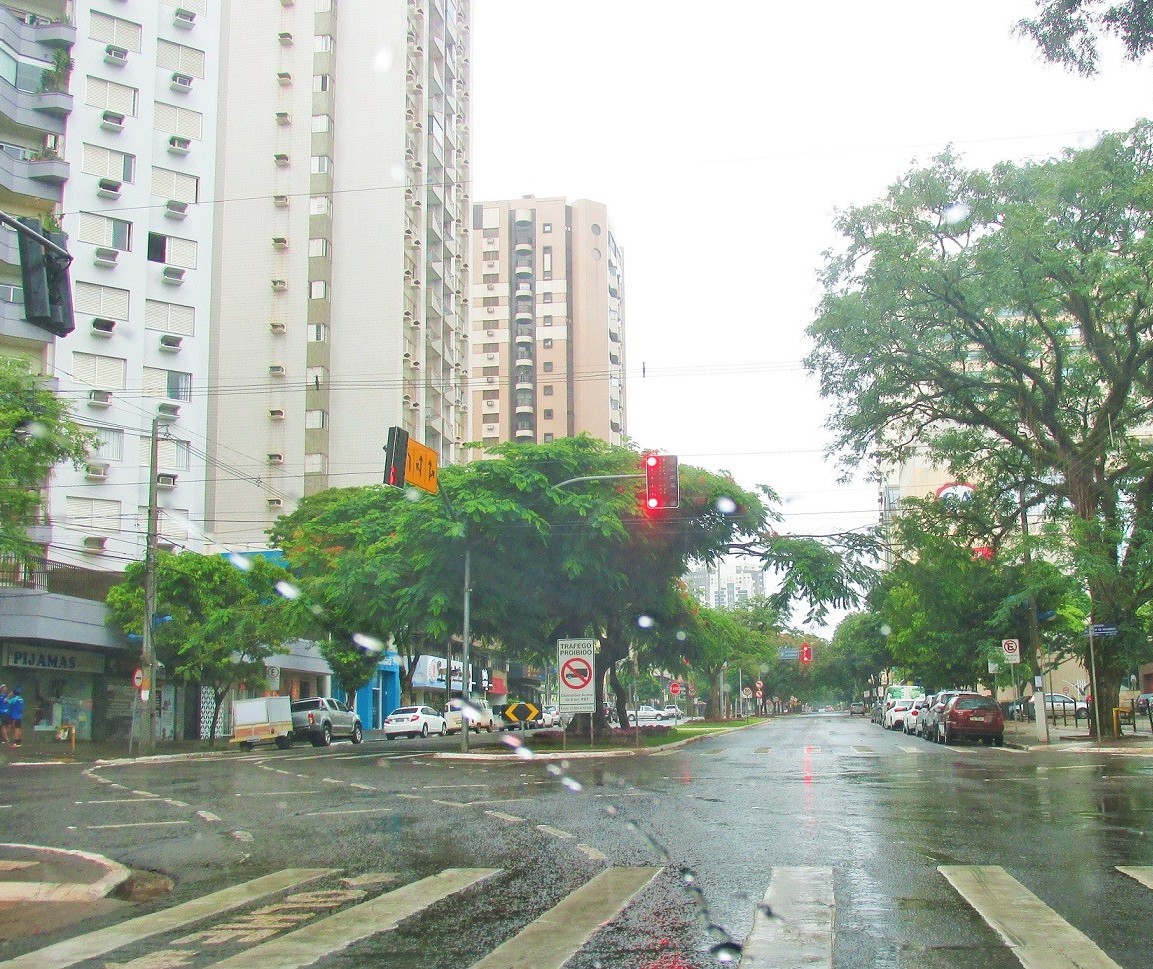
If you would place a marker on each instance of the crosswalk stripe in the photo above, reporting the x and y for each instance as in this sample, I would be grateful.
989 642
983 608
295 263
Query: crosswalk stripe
912 750
318 939
550 941
93 944
1037 936
1141 873
794 925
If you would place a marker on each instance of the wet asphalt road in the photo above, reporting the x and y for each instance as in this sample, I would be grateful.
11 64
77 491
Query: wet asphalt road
881 810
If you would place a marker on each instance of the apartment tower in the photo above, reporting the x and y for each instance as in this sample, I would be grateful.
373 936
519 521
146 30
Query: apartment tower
547 322
341 248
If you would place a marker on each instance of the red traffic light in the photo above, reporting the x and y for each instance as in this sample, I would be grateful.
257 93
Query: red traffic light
806 654
662 481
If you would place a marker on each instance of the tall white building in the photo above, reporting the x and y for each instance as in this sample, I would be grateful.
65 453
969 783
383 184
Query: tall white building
728 584
341 248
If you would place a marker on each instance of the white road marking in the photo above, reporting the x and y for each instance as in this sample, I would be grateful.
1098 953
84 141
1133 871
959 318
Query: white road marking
207 815
551 940
325 814
244 836
175 803
1037 936
276 793
94 944
371 878
126 800
133 824
910 750
363 787
306 945
511 818
794 925
145 794
456 804
555 832
1141 873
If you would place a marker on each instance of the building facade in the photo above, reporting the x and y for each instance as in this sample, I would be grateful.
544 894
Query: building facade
547 312
727 585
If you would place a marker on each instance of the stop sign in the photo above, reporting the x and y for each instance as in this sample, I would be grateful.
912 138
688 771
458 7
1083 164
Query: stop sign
674 688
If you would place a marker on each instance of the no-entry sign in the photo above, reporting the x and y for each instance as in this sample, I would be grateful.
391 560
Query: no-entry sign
575 661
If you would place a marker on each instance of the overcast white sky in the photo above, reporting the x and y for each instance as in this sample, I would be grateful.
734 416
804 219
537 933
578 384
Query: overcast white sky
723 137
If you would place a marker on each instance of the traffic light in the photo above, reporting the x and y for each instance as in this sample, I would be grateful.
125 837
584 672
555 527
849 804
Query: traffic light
44 275
662 481
806 654
395 457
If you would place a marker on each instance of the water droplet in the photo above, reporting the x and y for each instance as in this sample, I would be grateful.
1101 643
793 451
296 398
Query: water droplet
645 622
524 753
554 770
955 213
287 589
511 740
886 629
240 562
382 63
368 643
316 609
726 952
689 877
571 784
726 506
396 173
681 635
611 811
1089 139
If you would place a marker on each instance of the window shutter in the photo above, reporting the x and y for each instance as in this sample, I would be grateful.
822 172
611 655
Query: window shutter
154 383
101 300
93 229
182 252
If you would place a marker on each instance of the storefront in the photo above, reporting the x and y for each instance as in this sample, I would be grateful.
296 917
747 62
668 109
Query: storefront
60 686
428 680
380 695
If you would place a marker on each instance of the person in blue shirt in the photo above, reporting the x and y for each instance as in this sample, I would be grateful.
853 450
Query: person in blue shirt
16 715
5 717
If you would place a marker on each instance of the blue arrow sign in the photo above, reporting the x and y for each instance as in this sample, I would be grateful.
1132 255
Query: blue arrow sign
1104 630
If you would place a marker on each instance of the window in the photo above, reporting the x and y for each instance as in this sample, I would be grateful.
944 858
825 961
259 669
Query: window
490 371
317 333
321 83
547 366
320 205
317 377
548 414
321 123
323 6
172 251
111 96
168 184
316 464
169 317
546 343
548 438
546 227
490 395
96 370
177 57
106 163
321 165
318 248
490 301
491 255
111 443
314 419
490 347
321 44
547 390
524 398
97 514
173 384
546 297
490 219
95 300
546 259
103 231
490 278
548 321
171 454
318 289
178 121
22 74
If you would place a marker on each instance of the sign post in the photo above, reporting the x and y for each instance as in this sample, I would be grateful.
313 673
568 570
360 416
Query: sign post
576 691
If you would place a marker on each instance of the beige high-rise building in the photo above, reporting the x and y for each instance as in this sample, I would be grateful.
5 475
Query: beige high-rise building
547 322
341 248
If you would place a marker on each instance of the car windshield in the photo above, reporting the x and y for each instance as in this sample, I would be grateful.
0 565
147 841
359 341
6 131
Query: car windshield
403 710
975 703
312 704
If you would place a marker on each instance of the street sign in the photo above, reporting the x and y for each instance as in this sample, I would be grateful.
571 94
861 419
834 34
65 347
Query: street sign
747 693
521 712
1011 650
1105 629
994 666
420 468
760 694
760 684
138 678
575 662
788 652
674 688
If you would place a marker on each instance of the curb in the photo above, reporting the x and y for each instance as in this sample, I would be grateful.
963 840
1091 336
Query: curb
114 875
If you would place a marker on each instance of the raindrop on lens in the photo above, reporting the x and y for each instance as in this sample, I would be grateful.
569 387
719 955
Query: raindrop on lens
726 952
957 212
524 753
645 622
369 643
240 562
611 811
681 636
512 741
287 589
689 877
571 784
396 173
554 770
726 506
886 629
382 63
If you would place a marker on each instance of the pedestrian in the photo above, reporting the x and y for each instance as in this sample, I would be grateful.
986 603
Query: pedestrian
4 716
16 715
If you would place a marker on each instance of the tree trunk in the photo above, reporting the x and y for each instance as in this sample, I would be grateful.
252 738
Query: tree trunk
620 695
217 698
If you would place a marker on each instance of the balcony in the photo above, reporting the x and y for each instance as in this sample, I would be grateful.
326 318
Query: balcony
525 337
525 409
523 248
525 433
40 178
523 270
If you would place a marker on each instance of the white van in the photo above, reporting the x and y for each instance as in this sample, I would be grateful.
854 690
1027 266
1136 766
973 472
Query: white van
480 716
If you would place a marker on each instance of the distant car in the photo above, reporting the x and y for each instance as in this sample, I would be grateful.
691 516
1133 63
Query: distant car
673 712
857 707
645 712
1144 702
931 728
895 715
478 713
414 722
913 717
551 716
1061 704
974 718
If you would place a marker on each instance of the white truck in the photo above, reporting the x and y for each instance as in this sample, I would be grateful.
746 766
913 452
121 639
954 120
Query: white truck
262 720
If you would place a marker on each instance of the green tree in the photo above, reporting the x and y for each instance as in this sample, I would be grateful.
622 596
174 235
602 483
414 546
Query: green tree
996 323
221 618
36 434
1068 32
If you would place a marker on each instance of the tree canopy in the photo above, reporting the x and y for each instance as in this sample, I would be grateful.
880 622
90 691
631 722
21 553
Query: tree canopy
1068 32
997 323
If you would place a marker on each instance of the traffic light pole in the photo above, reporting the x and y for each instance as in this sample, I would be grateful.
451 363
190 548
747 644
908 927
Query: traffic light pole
24 230
148 654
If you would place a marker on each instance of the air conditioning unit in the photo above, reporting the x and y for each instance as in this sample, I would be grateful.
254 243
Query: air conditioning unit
276 458
179 146
99 398
278 328
117 56
281 159
276 414
282 119
108 188
184 18
95 543
102 326
415 405
491 287
279 285
276 370
171 342
104 256
167 410
415 364
490 380
279 242
285 38
490 332
172 275
283 78
280 201
490 309
165 479
181 83
275 503
96 471
490 356
112 121
174 209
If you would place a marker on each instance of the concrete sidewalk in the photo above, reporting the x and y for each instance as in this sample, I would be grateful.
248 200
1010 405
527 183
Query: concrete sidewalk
1076 736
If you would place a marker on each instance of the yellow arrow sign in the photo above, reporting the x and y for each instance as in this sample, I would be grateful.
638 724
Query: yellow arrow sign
521 712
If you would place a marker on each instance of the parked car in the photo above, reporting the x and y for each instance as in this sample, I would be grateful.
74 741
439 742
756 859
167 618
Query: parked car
320 719
914 715
975 718
895 715
414 722
478 714
1144 701
1063 705
857 707
551 716
931 729
1022 709
645 712
673 712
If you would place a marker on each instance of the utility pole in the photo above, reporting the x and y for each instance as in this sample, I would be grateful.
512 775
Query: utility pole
148 654
466 632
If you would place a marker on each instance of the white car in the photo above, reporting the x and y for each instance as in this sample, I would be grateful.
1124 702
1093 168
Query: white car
895 715
414 722
551 716
673 712
478 713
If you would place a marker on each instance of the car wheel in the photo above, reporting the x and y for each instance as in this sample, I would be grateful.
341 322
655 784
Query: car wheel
326 736
424 730
443 729
487 727
999 741
357 734
946 737
246 745
388 736
284 742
